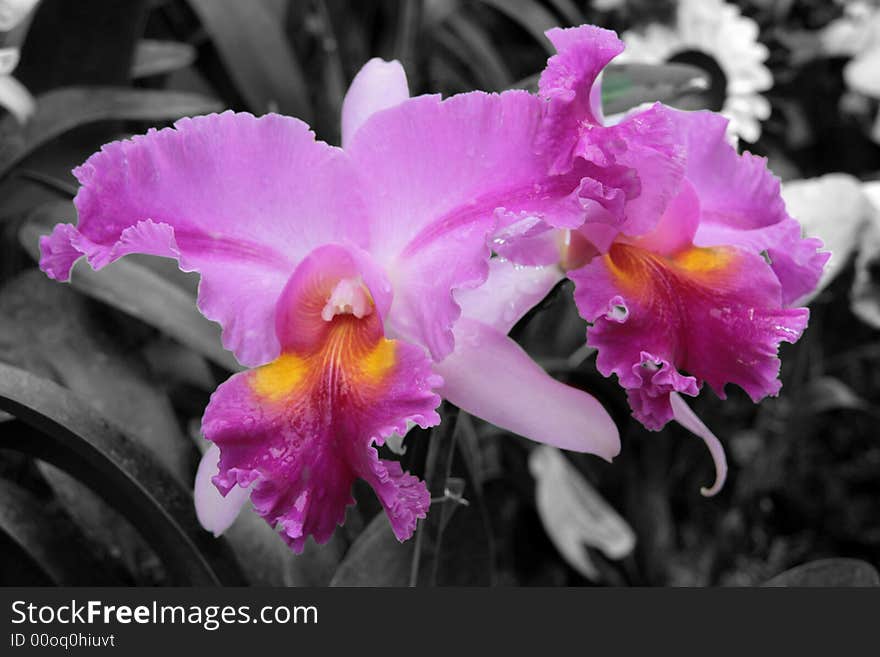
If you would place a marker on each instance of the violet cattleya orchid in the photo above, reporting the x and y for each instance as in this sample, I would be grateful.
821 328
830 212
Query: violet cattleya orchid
349 280
704 288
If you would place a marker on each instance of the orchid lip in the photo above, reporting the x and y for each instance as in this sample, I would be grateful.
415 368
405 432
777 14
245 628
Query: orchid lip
303 426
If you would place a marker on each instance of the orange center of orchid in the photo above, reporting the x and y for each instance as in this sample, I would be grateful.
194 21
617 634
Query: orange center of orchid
638 270
350 354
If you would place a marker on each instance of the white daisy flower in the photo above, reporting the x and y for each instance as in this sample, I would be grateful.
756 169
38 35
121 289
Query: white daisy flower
714 35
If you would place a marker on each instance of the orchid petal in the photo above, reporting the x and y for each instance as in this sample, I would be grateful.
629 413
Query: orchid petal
377 86
716 313
490 376
510 291
569 81
451 164
741 206
677 226
458 169
216 512
638 159
237 198
302 445
686 417
301 429
643 157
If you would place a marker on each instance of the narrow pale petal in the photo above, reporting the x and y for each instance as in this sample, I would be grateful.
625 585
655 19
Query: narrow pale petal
236 198
377 86
490 376
216 512
574 513
8 60
13 12
686 417
15 98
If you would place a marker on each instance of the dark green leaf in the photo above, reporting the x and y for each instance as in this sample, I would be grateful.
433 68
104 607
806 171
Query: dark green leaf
87 42
267 561
107 531
453 545
826 393
409 25
49 330
478 53
49 539
160 57
252 44
71 435
529 83
828 572
58 185
625 86
438 464
376 558
569 11
333 82
61 110
530 15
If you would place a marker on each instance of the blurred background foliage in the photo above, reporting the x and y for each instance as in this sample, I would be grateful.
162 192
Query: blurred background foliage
105 380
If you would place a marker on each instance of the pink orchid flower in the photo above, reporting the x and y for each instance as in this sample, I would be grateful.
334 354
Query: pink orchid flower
349 280
692 279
